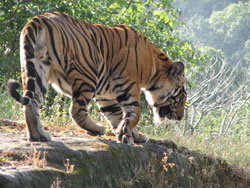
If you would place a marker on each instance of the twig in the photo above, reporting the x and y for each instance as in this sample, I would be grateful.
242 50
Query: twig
8 122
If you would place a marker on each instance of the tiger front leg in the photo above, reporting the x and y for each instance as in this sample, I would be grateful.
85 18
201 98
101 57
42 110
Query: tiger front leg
128 123
130 105
114 115
125 134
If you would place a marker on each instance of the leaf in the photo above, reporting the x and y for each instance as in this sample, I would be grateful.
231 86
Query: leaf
157 12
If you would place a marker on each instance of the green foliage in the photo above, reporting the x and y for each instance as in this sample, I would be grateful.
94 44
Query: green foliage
234 35
9 109
204 7
223 25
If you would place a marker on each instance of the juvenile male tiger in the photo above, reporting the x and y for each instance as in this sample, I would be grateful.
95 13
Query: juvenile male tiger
85 61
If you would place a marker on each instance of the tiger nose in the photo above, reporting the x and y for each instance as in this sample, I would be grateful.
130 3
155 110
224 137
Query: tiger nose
179 117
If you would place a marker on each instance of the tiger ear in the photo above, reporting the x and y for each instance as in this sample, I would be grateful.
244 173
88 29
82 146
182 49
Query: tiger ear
177 72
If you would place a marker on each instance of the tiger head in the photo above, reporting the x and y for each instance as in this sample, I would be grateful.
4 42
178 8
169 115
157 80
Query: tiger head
166 93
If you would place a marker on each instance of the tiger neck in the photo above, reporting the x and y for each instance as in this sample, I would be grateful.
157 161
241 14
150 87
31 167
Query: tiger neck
161 62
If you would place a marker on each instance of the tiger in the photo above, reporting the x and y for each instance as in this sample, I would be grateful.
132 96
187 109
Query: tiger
85 61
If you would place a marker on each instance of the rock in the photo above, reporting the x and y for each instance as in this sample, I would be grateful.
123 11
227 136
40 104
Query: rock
101 162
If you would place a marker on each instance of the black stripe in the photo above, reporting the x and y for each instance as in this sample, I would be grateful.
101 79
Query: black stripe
120 85
29 50
47 61
116 66
34 26
39 82
79 91
52 39
65 48
123 97
105 37
31 72
85 72
31 35
73 68
54 13
112 43
100 83
36 20
84 56
88 44
73 21
117 78
126 36
93 36
126 33
119 37
111 108
153 87
129 87
136 57
164 58
101 47
29 94
135 103
126 62
31 85
126 95
100 72
81 102
104 82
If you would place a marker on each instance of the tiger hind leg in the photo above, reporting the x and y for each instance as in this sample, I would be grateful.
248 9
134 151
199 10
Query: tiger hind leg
82 93
36 131
35 85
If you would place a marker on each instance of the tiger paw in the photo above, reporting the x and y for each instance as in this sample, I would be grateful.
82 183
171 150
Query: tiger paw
123 133
139 137
44 137
102 131
126 139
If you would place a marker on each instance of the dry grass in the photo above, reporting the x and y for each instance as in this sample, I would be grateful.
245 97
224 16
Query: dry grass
69 167
35 158
12 160
234 148
56 183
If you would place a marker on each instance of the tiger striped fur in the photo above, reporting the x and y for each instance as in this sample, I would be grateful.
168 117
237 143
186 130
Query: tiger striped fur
85 61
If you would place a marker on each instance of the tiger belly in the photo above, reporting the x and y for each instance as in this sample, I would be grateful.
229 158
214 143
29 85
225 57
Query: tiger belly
60 82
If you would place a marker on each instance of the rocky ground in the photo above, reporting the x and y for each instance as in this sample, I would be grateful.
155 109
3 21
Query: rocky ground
84 161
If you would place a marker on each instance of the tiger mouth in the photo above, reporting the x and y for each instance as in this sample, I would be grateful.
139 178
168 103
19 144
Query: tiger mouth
167 112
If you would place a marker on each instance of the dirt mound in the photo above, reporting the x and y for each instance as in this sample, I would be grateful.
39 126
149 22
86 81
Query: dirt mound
101 162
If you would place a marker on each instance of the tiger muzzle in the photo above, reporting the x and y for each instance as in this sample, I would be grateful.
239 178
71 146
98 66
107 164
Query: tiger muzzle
168 112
